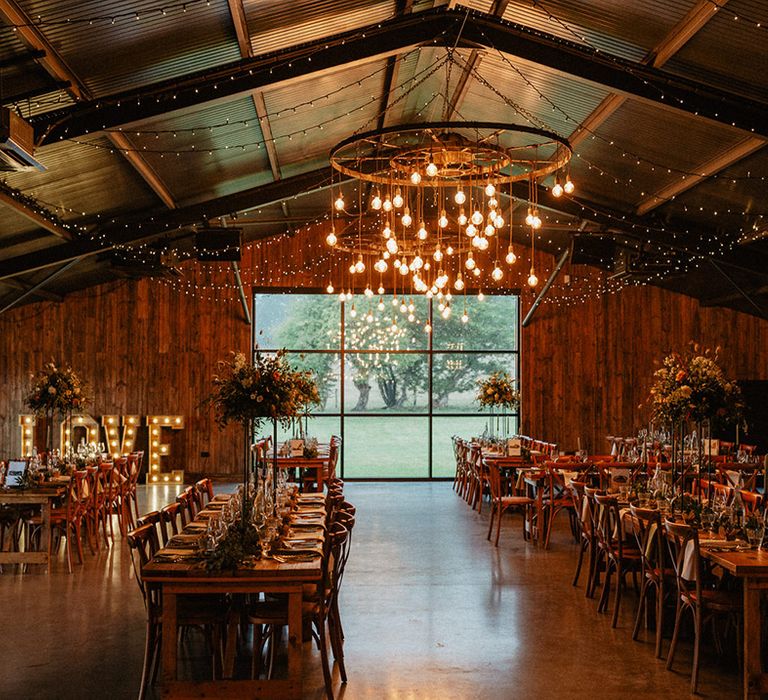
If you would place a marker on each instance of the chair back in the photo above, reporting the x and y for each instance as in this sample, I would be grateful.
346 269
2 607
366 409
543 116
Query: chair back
609 537
169 516
333 456
140 543
154 519
722 492
185 508
204 488
752 501
683 542
646 524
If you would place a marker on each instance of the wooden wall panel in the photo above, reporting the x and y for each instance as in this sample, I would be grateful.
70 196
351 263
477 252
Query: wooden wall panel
151 346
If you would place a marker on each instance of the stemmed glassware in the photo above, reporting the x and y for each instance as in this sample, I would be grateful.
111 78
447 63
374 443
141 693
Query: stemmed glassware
754 528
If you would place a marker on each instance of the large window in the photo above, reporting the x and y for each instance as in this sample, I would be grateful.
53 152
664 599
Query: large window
395 393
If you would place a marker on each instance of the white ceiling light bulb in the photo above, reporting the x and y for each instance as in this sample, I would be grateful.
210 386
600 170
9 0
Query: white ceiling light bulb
385 255
411 318
483 244
397 263
417 263
353 311
476 272
369 317
490 189
557 189
380 305
352 269
339 203
498 222
376 202
331 239
349 295
411 307
427 328
497 274
415 177
359 265
462 217
329 289
432 169
490 230
529 217
464 317
406 219
392 246
568 186
493 203
404 269
446 312
403 308
387 204
470 262
422 232
386 231
477 217
458 285
397 200
471 230
449 250
476 242
380 290
460 197
342 296
532 279
438 254
368 292
395 301
442 222
511 257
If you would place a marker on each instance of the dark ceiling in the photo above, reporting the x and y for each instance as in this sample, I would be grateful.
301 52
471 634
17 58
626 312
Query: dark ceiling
154 119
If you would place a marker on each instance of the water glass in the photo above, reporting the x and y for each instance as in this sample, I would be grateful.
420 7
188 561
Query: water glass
754 529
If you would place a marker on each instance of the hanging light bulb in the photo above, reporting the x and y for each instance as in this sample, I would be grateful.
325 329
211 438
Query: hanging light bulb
392 246
406 218
536 220
376 201
557 189
532 279
427 265
380 266
331 239
427 328
403 307
368 292
353 311
490 230
440 281
342 296
387 205
483 244
446 312
476 272
411 318
460 197
380 305
497 274
349 295
511 257
429 294
329 288
442 222
395 301
490 189
432 169
493 203
458 285
359 265
404 269
422 232
411 307
380 290
477 217
449 250
369 317
480 296
397 264
464 317
568 186
415 177
438 254
417 263
352 269
498 222
470 262
471 230
462 217
393 327
397 200
385 255
386 231
529 217
339 203
476 242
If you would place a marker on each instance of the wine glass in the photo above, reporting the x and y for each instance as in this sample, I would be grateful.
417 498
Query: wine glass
707 518
754 529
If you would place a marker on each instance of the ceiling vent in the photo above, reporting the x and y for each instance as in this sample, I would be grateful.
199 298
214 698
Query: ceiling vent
17 143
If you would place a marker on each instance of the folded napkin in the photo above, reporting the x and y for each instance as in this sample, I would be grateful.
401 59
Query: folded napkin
173 552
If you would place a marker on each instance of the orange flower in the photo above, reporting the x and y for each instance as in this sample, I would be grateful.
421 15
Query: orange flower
680 375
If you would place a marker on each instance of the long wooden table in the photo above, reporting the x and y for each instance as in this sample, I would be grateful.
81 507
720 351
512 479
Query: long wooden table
263 576
752 567
317 464
44 497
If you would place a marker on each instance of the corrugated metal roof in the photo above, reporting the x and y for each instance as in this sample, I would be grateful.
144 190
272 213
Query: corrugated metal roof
131 52
275 24
730 54
626 29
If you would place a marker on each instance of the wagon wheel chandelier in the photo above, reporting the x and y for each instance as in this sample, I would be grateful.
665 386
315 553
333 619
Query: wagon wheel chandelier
434 204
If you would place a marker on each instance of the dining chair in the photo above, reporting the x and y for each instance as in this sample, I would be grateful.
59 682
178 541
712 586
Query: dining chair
500 503
91 495
621 557
169 516
704 602
752 501
557 499
122 501
582 510
205 611
154 519
204 488
590 515
722 493
186 507
648 530
133 465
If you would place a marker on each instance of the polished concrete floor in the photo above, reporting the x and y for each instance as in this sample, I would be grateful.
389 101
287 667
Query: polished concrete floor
430 610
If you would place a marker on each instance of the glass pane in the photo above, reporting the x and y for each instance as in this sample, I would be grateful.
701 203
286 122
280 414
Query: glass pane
327 369
445 427
492 324
297 321
386 447
320 427
382 381
455 377
379 324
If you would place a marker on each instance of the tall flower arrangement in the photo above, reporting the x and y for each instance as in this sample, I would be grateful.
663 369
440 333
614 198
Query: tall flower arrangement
55 389
497 390
693 387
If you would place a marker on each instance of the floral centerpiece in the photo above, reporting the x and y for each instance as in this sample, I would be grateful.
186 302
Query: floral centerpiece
694 388
54 390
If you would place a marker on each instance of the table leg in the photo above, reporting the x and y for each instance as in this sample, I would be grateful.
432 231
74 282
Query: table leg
320 476
295 641
45 532
753 671
169 636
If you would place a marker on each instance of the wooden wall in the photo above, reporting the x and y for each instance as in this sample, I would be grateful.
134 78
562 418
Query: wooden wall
150 347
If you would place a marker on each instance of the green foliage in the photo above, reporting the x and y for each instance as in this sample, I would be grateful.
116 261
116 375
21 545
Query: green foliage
56 389
239 544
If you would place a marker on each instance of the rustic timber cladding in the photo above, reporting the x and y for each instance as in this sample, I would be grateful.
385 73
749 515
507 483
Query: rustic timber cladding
148 348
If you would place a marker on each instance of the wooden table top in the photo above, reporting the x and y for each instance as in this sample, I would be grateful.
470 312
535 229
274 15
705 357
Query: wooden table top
16 495
307 523
748 562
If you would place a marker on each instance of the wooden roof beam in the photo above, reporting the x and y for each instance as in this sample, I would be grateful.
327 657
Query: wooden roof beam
35 215
705 170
